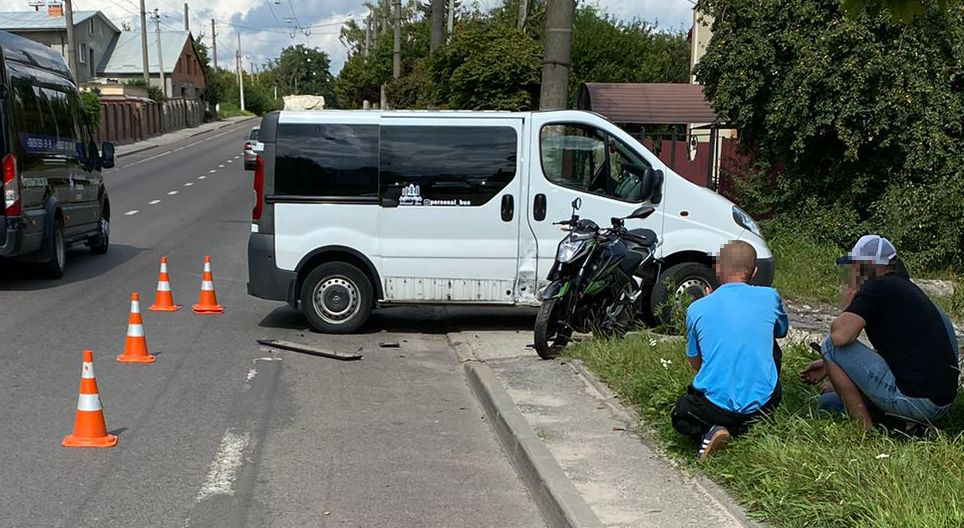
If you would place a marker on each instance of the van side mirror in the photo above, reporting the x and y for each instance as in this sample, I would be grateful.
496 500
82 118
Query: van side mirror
643 212
107 155
656 196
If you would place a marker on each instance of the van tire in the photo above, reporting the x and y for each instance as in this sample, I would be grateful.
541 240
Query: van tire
101 241
57 249
688 276
337 298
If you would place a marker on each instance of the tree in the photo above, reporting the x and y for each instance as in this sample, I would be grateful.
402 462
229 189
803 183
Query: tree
903 10
862 114
302 70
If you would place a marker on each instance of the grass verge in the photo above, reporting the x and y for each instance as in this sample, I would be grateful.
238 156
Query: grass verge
799 468
231 110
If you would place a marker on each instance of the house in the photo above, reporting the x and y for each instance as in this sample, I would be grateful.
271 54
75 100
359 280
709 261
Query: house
93 32
183 72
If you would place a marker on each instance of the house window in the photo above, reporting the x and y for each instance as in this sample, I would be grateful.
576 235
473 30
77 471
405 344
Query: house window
83 53
93 67
90 26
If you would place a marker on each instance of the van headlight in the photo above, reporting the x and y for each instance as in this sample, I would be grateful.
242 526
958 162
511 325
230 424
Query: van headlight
745 221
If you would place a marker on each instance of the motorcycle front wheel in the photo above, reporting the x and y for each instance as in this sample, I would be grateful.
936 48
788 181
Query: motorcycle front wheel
550 336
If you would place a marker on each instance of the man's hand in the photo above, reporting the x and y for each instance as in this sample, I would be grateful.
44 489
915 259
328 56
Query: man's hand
847 294
814 372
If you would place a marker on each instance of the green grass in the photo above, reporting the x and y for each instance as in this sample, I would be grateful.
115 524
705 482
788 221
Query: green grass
799 468
231 110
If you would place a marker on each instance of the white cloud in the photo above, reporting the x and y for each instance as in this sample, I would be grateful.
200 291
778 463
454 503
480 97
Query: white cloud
268 25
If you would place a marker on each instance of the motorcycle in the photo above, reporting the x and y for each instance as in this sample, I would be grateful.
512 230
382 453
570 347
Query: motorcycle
596 282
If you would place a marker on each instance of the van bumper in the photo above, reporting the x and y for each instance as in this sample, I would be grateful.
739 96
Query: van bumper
265 280
764 272
11 237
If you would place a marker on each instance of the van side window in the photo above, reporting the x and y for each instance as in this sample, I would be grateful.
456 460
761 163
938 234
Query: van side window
587 159
327 160
445 165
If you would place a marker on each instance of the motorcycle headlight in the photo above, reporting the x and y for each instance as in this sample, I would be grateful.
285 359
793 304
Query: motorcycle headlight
568 249
743 220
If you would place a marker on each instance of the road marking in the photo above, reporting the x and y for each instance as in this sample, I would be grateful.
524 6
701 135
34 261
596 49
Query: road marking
188 184
201 177
132 212
230 161
172 193
212 171
221 166
252 373
236 157
147 159
153 202
224 467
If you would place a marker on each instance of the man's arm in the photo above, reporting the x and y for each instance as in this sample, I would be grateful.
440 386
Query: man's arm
783 322
846 328
693 353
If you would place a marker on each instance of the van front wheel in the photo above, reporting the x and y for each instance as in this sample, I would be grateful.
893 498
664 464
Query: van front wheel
337 298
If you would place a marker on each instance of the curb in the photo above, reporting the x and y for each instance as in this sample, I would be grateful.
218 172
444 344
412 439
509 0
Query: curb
557 498
632 419
201 133
136 151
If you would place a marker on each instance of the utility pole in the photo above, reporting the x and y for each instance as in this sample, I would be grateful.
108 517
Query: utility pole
555 61
523 13
147 75
438 8
240 73
187 19
214 44
451 18
386 15
368 34
71 43
397 54
160 58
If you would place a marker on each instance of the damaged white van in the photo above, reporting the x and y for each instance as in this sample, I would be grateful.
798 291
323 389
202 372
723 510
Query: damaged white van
356 209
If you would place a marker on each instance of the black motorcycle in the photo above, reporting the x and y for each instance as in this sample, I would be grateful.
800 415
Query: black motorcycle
596 282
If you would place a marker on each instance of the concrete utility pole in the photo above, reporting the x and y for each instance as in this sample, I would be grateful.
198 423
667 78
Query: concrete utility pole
451 24
71 43
368 33
555 61
438 12
187 19
147 75
160 58
240 73
214 45
397 54
386 15
523 13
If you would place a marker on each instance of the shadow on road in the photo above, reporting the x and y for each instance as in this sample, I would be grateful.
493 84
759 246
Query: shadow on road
420 319
81 266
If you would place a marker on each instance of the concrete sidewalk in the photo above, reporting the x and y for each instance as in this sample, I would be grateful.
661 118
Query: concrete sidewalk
179 135
591 435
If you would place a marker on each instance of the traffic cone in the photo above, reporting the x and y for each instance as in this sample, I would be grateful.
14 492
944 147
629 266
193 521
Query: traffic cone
135 346
89 427
163 300
207 301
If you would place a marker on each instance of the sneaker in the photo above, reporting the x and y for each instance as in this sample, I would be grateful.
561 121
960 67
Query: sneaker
714 439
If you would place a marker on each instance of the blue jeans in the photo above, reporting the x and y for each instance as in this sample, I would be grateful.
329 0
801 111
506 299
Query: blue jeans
870 373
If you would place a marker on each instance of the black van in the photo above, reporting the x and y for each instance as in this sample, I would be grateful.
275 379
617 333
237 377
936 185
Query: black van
53 191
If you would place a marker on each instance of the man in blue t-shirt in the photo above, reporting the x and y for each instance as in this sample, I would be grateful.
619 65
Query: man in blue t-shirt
731 344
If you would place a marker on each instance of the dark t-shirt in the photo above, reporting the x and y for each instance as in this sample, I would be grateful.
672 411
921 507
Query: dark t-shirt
907 330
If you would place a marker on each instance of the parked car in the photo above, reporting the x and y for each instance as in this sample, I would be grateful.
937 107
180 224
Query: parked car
251 148
359 209
53 190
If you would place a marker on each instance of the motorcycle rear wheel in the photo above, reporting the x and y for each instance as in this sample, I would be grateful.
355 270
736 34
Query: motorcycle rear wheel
550 339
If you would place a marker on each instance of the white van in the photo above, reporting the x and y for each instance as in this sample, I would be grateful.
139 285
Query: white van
357 209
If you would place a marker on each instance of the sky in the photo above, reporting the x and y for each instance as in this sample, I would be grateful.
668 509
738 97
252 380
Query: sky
268 26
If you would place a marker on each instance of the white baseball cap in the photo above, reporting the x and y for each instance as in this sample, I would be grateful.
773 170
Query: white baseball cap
874 249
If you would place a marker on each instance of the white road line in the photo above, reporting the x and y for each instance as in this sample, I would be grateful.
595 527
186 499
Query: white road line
252 373
224 468
212 171
201 177
148 159
221 166
132 212
188 184
153 202
231 161
236 157
172 193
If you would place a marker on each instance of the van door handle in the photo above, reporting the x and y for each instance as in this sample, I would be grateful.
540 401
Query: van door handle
508 208
539 208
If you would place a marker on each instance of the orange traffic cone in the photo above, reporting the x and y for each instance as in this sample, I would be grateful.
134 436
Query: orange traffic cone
163 300
89 427
135 346
207 301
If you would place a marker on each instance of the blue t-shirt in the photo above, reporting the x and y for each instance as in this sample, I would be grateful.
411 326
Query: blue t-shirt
733 330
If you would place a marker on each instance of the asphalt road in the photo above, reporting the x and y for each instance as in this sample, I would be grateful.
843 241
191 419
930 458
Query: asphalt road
219 432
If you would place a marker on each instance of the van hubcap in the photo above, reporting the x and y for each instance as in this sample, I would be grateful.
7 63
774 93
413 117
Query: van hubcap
695 288
336 300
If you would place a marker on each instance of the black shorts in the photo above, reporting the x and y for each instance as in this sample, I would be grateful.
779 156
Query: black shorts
693 414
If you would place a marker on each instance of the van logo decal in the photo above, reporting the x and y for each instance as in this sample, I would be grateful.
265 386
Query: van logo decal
412 196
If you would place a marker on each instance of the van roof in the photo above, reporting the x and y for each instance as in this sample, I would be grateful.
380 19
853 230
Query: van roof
33 54
320 115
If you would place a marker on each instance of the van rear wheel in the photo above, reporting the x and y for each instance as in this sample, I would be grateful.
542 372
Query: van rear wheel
337 298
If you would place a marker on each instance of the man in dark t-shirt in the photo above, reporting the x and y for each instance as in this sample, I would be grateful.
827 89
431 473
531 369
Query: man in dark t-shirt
912 371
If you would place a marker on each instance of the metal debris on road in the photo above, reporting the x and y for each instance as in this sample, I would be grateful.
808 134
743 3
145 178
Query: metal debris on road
307 349
389 344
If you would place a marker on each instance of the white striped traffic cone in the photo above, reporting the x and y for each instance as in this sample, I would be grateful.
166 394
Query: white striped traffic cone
207 301
163 300
135 346
90 430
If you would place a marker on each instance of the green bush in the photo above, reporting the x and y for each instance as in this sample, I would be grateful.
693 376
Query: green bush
90 102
